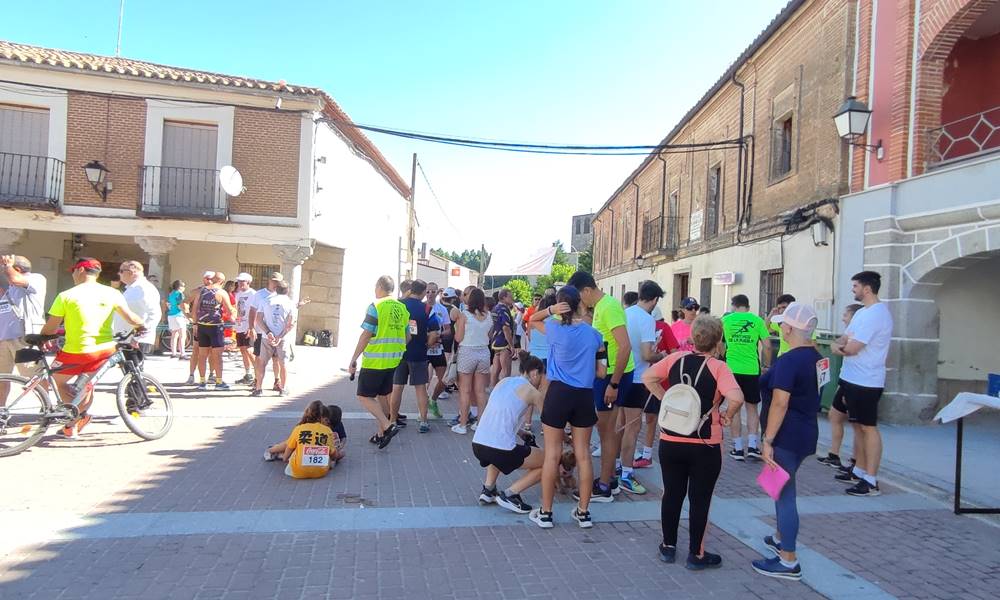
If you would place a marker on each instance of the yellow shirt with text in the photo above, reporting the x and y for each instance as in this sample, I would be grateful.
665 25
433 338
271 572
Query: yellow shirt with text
310 444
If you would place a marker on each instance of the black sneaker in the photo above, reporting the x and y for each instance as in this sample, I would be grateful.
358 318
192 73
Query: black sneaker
513 503
849 467
708 561
582 518
753 453
596 494
773 546
373 439
847 477
541 518
487 496
615 488
863 488
387 436
401 421
668 554
830 460
737 455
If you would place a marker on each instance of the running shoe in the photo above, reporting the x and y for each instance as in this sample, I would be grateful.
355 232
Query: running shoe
642 463
737 455
847 477
772 544
444 395
190 380
245 380
582 518
632 485
268 457
201 387
707 561
848 467
284 392
863 488
830 460
424 427
435 411
772 567
596 453
513 503
600 494
387 436
488 496
615 488
256 393
275 387
754 453
82 422
459 429
474 426
68 432
526 427
541 518
668 554
222 386
373 439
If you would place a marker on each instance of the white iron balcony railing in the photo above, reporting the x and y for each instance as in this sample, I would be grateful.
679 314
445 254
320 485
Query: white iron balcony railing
964 138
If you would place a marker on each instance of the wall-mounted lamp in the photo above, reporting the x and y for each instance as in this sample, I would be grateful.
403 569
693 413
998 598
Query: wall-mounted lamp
852 121
97 175
640 261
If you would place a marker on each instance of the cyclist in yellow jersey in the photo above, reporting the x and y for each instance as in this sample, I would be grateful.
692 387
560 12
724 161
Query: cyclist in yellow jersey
86 310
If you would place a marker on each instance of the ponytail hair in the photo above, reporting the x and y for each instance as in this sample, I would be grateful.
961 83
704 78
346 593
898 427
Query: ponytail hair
570 295
314 413
528 363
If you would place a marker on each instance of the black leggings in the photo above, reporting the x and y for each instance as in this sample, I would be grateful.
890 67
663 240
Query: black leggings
688 470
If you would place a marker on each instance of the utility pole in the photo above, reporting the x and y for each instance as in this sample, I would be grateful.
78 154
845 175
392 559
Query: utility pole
412 219
121 18
482 265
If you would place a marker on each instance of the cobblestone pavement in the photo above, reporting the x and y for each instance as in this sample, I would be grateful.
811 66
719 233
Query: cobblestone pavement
199 515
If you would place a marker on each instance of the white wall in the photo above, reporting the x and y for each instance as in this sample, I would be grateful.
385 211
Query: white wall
970 323
356 209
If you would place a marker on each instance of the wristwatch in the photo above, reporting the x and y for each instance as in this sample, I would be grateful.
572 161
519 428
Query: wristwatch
613 385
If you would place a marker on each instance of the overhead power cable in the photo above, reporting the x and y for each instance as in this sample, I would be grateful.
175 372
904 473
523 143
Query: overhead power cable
437 200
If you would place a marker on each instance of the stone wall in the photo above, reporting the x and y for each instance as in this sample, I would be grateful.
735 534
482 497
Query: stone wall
322 280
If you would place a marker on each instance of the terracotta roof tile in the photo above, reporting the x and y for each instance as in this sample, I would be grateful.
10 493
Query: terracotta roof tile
13 52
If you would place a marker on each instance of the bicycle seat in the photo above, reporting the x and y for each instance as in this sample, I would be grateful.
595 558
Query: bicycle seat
37 339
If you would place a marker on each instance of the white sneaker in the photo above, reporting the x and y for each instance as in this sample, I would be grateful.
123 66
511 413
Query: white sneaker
459 429
543 520
597 452
444 395
474 425
268 457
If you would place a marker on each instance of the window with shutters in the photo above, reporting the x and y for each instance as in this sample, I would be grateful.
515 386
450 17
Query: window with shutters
27 174
712 201
782 142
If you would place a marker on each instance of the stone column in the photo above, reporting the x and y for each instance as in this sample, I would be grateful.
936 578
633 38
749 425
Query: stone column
9 238
158 249
292 256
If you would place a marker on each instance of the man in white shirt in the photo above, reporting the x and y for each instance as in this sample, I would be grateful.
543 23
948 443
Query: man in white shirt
143 299
244 332
864 346
258 302
277 319
642 334
22 298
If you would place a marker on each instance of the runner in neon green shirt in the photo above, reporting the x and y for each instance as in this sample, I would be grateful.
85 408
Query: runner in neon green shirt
747 344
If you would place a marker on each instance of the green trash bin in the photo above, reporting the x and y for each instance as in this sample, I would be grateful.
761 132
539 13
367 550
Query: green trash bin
829 390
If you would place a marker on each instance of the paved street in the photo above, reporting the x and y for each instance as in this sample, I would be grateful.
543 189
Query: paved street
199 515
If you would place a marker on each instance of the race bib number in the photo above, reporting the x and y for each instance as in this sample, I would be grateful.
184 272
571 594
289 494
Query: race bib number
413 328
822 372
5 308
315 456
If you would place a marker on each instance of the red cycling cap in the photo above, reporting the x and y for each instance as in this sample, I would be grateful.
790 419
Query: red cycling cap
88 264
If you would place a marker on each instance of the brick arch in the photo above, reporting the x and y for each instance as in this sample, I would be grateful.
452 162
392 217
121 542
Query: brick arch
951 253
940 27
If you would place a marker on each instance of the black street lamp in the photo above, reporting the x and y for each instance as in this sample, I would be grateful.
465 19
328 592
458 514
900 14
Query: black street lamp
97 175
852 122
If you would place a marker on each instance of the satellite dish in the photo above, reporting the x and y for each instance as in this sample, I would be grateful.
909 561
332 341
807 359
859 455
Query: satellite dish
231 180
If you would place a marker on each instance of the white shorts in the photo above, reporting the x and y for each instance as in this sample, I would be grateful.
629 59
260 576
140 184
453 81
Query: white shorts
267 351
177 322
473 360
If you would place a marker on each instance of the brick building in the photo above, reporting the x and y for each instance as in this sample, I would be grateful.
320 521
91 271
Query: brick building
742 195
321 204
925 211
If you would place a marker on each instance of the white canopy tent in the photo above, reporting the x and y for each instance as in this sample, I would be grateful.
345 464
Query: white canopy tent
532 262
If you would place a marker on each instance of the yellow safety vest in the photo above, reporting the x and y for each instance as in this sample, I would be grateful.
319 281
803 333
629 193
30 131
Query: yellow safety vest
385 349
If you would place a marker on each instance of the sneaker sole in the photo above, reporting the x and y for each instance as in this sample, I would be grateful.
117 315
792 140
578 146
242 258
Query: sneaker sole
584 524
634 492
870 493
691 567
484 500
542 524
739 458
512 507
788 576
602 499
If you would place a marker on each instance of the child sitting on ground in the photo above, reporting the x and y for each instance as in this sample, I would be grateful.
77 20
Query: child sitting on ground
336 424
309 449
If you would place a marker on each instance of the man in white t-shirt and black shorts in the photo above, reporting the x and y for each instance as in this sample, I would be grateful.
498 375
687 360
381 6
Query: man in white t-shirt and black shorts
258 302
864 346
244 330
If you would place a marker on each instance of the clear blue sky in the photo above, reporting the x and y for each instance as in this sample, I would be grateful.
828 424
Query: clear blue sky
583 71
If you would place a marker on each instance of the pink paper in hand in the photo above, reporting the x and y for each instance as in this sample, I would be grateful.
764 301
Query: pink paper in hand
772 480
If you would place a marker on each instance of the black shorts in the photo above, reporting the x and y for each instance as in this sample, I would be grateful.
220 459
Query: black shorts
839 402
243 340
862 403
375 382
637 396
653 408
411 373
448 343
256 345
567 404
750 386
438 361
211 336
507 461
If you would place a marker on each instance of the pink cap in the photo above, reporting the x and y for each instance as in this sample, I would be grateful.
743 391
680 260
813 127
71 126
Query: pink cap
799 316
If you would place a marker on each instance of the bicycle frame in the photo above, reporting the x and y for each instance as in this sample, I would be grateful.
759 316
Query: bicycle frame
44 373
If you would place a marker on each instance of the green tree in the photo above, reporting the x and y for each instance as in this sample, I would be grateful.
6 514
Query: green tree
470 259
521 290
587 260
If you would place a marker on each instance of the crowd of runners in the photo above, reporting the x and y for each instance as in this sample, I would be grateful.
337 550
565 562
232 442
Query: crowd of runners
588 362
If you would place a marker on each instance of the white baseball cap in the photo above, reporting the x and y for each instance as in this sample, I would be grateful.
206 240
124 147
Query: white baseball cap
208 275
244 277
798 316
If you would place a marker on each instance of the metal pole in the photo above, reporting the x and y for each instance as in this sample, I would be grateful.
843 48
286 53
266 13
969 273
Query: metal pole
121 18
412 215
958 466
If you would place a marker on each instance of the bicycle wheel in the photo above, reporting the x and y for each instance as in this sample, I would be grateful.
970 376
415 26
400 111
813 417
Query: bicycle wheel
145 406
22 415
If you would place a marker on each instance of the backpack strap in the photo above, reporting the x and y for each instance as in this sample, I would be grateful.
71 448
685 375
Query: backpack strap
698 375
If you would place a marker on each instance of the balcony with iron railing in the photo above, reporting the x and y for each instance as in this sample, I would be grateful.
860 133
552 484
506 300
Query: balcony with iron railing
660 234
181 192
30 181
969 137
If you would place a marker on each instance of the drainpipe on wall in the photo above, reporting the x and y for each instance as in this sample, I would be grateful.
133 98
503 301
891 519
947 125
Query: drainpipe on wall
611 242
663 199
635 236
740 191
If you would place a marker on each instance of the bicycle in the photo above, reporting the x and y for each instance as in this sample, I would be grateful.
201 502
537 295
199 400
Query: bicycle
24 419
